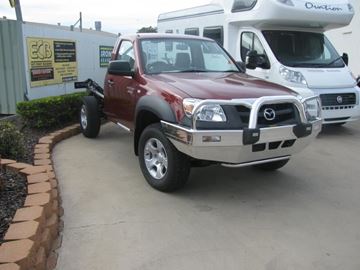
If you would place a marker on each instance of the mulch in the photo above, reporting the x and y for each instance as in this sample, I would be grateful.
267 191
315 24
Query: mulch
12 197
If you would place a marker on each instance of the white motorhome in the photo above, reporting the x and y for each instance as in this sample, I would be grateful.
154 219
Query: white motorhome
282 41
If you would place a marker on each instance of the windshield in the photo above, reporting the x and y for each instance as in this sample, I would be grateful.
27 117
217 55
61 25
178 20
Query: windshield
303 49
175 55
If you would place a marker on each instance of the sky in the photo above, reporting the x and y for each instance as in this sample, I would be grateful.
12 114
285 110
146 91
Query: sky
117 16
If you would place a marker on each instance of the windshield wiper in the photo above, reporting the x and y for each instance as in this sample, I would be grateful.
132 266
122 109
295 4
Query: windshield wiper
332 62
231 70
317 64
192 70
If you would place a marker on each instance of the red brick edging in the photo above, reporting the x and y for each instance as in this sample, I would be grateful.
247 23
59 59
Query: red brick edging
34 236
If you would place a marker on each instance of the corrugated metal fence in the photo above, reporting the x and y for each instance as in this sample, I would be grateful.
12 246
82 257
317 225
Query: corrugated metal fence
12 66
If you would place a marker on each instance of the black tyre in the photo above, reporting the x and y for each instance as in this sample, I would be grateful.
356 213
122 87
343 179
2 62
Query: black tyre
164 167
90 117
272 166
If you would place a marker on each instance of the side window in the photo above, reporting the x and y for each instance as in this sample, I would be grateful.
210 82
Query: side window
215 33
126 53
169 31
192 31
258 46
243 5
246 44
250 42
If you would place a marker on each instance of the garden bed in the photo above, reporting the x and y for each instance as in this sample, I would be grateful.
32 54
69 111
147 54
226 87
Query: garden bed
12 196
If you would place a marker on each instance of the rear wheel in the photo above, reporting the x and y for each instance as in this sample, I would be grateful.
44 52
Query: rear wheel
272 166
163 166
90 117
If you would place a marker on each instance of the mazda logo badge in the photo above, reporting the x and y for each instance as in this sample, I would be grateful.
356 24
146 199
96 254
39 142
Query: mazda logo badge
339 99
269 114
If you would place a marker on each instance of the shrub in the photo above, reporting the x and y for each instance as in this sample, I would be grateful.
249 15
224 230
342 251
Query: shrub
11 141
50 111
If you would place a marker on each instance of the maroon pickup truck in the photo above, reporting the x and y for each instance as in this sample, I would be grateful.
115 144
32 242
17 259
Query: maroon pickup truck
188 103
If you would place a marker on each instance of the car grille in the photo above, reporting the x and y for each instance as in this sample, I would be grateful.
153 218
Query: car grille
338 99
285 114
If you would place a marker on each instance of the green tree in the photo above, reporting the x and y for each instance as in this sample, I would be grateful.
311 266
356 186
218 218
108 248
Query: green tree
149 29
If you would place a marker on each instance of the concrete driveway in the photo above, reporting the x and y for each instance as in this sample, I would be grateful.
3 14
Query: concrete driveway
306 216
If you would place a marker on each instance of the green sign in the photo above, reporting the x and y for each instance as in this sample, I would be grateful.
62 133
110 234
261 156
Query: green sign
105 55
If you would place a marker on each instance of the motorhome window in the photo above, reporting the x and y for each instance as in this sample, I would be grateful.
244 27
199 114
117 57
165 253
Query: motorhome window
243 5
251 42
126 53
215 33
169 31
303 49
192 31
187 55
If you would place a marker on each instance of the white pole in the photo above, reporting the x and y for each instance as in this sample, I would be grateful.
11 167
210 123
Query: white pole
18 11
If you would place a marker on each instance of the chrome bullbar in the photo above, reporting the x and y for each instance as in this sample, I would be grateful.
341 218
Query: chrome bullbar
255 105
247 145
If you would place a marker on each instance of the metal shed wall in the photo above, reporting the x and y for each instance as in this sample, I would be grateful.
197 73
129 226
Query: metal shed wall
12 66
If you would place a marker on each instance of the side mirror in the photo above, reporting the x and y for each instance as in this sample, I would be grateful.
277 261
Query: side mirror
358 81
252 60
345 58
121 68
241 66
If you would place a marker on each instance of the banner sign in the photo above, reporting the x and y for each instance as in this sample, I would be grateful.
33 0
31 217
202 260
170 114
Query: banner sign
105 55
51 61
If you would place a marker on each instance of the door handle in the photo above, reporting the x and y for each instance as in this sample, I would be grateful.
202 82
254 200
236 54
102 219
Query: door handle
110 83
130 90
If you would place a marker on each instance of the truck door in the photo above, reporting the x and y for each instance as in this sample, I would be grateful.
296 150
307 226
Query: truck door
251 43
120 91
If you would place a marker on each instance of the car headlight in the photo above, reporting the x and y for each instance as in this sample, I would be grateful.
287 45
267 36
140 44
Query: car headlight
312 108
209 112
292 76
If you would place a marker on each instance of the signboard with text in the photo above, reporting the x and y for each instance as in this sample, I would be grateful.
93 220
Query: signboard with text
105 55
51 61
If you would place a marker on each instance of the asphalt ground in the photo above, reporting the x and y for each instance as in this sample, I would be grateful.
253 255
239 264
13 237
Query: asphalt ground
305 216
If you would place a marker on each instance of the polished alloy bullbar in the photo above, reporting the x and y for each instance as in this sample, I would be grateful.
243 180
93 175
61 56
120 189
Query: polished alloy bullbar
237 146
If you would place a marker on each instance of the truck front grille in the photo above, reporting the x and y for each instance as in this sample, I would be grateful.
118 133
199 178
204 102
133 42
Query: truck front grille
285 114
328 100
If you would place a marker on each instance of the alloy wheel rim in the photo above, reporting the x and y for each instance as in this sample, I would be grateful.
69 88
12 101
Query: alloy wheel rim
156 159
83 116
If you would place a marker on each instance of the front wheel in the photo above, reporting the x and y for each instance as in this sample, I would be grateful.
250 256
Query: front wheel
272 166
163 166
90 117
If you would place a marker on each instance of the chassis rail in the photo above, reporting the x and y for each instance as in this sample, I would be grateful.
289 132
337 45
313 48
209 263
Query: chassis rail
91 86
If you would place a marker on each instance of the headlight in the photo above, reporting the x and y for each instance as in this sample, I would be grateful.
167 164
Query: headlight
312 109
292 76
209 113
